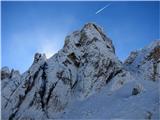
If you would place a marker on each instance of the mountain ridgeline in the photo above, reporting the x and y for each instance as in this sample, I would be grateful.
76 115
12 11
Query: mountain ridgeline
84 80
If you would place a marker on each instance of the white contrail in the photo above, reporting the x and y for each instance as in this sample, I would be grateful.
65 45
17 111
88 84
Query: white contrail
100 10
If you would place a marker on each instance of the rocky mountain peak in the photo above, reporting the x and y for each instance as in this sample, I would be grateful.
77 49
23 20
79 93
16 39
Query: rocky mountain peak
6 73
150 52
88 50
92 27
90 34
39 57
154 51
146 61
86 64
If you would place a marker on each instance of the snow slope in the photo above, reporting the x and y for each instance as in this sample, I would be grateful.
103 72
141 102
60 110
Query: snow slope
118 105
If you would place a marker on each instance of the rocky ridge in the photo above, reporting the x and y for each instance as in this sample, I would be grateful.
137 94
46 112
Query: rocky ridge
85 66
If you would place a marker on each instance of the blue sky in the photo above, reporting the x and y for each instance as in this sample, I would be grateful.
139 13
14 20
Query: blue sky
30 27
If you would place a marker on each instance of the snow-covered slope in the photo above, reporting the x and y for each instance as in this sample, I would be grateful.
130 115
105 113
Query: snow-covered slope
84 79
121 104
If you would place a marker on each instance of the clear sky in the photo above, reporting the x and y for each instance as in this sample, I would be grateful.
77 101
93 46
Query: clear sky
30 27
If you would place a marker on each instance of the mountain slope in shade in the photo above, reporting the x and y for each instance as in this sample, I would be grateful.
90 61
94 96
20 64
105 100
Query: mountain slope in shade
84 73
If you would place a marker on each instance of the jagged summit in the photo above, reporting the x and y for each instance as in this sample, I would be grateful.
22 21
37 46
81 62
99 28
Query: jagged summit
154 44
146 61
89 34
147 53
6 73
39 57
84 68
92 25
